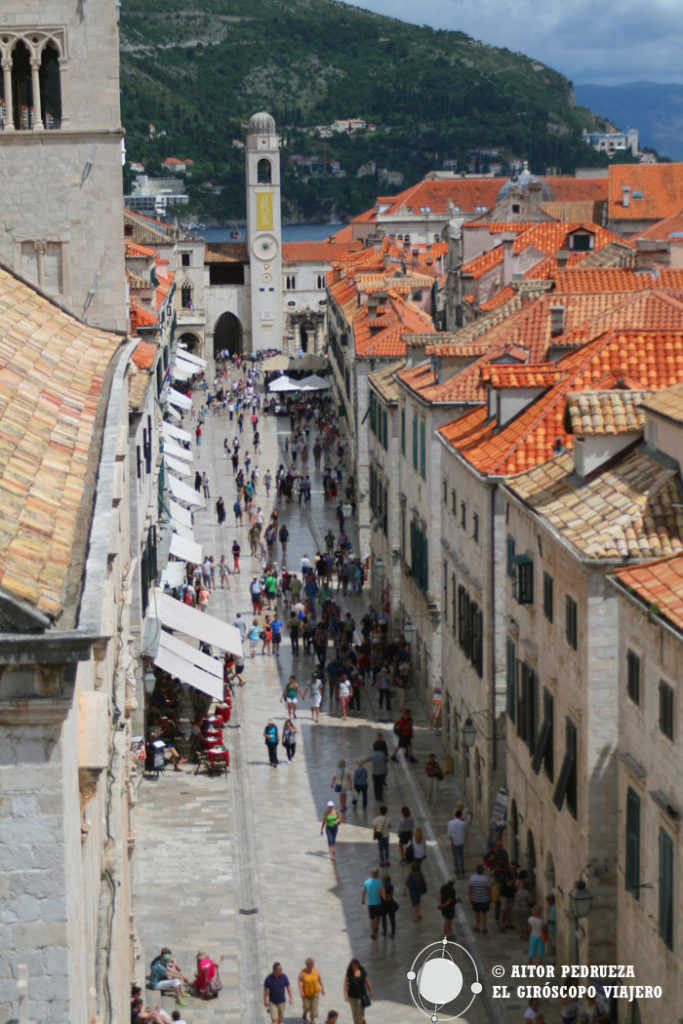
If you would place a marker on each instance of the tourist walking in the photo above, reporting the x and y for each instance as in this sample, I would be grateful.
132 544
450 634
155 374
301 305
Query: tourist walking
271 736
446 905
220 511
289 731
379 762
275 989
371 896
360 783
480 896
316 691
330 825
434 777
254 635
381 828
415 888
405 832
389 906
357 989
291 694
310 988
341 783
457 831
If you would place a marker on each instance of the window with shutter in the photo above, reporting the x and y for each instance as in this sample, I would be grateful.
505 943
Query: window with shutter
666 709
633 676
571 622
423 456
523 579
666 888
548 596
566 788
511 669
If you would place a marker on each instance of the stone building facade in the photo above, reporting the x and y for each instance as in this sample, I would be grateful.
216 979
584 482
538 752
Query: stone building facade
61 142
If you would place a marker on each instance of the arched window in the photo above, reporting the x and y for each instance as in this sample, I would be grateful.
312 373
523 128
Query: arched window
186 296
264 172
22 91
50 88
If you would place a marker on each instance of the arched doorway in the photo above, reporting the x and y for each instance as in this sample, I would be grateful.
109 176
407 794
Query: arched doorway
191 341
228 335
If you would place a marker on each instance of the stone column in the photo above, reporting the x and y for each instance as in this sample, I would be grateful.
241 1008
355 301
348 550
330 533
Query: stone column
37 125
320 334
296 329
7 81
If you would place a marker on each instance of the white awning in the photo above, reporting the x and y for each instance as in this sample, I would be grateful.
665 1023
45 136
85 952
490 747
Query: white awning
190 357
182 492
170 430
186 549
189 673
180 372
176 398
176 465
173 574
182 531
200 625
170 411
196 657
181 514
186 366
172 447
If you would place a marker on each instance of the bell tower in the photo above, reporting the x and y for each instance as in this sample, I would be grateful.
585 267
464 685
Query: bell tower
264 232
61 150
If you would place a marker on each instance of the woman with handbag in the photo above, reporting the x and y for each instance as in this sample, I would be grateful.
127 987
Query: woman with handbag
357 990
289 731
330 824
389 906
415 887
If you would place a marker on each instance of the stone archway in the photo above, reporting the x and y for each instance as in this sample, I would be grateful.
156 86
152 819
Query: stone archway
192 341
228 334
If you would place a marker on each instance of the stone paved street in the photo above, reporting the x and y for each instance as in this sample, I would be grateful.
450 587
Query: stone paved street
237 866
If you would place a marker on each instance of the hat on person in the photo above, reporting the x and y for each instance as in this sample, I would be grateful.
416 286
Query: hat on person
330 803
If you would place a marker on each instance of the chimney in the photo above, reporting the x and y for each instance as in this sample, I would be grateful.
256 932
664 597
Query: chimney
625 196
562 256
556 321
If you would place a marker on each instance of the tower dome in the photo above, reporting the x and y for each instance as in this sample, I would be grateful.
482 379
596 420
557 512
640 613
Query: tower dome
262 123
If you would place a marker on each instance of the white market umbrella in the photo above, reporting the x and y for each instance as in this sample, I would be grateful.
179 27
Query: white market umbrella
284 383
314 383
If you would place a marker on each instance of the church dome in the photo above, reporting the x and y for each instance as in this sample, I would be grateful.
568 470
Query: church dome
262 124
522 182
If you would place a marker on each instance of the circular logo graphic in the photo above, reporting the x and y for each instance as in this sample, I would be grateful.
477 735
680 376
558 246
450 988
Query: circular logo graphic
443 981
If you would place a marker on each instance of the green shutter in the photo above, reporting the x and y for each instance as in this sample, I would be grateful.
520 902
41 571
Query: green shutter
414 442
423 470
511 665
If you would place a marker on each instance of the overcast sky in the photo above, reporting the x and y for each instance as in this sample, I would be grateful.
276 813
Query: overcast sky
598 41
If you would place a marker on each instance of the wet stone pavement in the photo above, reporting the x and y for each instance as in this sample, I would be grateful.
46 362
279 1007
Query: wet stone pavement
237 867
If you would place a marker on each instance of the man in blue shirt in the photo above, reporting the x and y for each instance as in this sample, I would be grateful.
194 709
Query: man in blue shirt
275 987
371 889
276 627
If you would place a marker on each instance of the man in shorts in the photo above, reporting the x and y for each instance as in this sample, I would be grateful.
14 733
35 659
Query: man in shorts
275 988
316 691
480 897
447 906
371 896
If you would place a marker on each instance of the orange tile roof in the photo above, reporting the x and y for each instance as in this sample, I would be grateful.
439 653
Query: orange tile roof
524 375
663 229
140 317
135 249
604 279
144 354
52 385
499 299
314 252
627 510
658 583
478 266
661 185
650 359
344 235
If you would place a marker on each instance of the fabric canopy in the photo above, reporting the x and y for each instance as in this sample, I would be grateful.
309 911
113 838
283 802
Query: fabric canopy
184 364
196 657
190 357
176 465
189 673
182 492
170 430
186 549
182 531
174 413
275 363
199 625
180 513
173 574
176 398
314 383
172 447
283 383
179 372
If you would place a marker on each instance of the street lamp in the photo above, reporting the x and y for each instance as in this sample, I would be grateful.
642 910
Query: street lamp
580 900
409 632
149 679
380 569
347 509
469 733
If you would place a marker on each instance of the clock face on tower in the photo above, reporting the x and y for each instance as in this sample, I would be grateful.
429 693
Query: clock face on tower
265 247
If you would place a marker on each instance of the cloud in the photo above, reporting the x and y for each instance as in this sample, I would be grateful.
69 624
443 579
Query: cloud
587 40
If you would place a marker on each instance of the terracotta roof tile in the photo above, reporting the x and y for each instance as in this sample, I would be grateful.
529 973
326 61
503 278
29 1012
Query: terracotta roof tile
384 382
663 229
52 370
314 252
667 402
658 583
144 354
661 186
526 375
627 510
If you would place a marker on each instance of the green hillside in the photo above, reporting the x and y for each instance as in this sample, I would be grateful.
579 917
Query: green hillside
198 74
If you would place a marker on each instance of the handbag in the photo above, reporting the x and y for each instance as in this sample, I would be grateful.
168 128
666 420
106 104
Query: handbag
365 999
376 834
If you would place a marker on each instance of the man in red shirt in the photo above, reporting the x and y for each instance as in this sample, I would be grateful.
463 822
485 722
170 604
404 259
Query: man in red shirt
404 732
